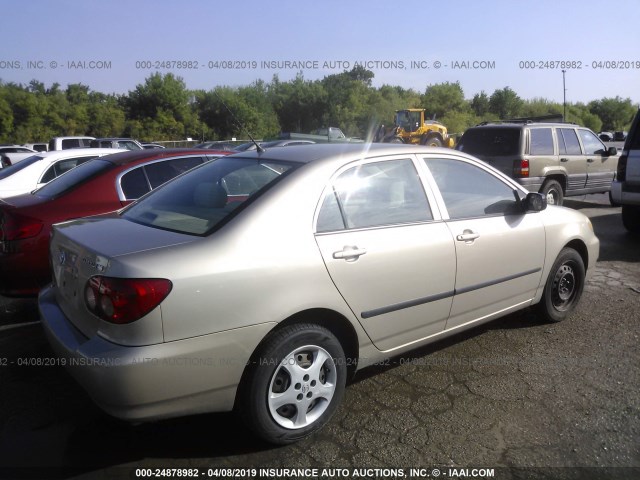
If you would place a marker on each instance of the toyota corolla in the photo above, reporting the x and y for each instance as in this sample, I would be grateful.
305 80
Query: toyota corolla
260 281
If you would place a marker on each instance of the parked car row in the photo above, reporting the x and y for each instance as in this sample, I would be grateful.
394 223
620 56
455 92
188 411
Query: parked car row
93 187
41 168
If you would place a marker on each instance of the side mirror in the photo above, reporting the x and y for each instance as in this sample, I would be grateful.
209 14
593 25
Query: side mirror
534 202
611 151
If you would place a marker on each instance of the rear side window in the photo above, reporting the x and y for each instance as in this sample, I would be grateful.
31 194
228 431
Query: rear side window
374 194
568 142
541 141
143 179
491 141
134 184
161 172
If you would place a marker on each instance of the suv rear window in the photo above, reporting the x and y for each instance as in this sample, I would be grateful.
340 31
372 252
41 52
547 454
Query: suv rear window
494 141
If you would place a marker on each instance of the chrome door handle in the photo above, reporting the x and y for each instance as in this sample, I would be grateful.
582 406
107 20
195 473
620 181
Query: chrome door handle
467 236
349 253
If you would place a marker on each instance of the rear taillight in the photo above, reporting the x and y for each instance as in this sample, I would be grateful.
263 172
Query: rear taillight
124 300
521 168
621 173
17 227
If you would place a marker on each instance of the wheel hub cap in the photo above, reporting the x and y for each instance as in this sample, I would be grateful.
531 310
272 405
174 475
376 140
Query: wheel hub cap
302 387
564 285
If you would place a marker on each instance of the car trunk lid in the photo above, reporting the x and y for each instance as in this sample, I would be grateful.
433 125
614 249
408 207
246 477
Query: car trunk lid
82 249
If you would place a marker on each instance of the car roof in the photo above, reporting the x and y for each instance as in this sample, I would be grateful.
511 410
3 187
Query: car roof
130 156
327 151
509 124
71 138
114 138
74 152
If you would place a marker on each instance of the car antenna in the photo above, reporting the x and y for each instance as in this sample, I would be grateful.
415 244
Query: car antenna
240 124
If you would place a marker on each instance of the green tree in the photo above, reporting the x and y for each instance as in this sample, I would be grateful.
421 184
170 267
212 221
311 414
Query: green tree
616 113
299 104
505 103
480 104
443 98
161 97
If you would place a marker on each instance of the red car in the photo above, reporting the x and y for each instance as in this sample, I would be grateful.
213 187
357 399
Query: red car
97 186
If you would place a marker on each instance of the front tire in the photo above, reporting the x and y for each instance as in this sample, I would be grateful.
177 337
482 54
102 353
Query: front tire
432 142
294 384
553 191
564 286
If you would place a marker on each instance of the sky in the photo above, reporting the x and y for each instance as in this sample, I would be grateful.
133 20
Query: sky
484 45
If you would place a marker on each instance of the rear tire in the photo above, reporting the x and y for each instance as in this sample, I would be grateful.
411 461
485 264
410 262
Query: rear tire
564 286
294 384
631 218
553 191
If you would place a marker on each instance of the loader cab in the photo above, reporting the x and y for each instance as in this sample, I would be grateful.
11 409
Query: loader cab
409 120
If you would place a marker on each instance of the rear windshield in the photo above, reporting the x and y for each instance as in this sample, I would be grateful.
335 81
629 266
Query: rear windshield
73 178
202 199
10 170
490 141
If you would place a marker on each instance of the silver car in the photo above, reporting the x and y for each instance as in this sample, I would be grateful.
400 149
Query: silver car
261 281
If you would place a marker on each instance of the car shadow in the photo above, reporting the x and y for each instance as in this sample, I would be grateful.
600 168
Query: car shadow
580 204
616 244
522 319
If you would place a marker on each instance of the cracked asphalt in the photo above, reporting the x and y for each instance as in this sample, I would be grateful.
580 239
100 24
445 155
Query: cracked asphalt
528 399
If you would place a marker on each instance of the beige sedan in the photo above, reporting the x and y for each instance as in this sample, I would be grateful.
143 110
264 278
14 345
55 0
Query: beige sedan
261 281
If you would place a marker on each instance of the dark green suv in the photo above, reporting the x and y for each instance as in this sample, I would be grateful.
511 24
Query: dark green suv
556 159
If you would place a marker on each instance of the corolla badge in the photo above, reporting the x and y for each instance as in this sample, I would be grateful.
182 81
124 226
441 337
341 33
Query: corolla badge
98 263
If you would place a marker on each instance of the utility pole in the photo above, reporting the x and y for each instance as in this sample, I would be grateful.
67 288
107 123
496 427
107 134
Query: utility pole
564 98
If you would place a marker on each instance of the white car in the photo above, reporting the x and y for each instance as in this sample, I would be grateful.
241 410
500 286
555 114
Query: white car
41 168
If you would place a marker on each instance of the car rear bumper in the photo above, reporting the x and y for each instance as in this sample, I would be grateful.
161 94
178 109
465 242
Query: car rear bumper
194 375
624 193
532 184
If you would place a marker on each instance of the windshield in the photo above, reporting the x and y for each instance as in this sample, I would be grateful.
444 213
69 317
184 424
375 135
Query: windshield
10 170
493 142
74 177
202 199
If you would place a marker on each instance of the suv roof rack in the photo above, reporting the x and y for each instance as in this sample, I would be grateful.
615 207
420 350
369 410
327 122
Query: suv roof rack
553 118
